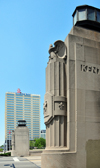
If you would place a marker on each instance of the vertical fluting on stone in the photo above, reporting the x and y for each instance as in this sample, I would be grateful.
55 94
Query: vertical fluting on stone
48 135
13 140
56 132
62 131
51 133
61 78
65 131
55 80
52 77
65 80
55 106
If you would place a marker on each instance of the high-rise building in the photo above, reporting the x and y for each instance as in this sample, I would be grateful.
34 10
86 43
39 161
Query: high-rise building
22 106
43 134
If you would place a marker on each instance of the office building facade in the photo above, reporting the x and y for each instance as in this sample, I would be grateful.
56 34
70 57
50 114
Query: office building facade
43 134
22 106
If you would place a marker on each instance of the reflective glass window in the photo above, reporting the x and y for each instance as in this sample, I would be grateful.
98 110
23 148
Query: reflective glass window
91 14
82 14
10 110
98 16
10 99
75 18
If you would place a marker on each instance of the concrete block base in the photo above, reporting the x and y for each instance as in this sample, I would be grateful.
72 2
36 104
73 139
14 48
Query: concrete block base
58 160
14 153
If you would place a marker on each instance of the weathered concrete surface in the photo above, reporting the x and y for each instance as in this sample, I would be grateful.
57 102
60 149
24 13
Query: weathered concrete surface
55 106
35 152
21 144
83 104
35 160
93 153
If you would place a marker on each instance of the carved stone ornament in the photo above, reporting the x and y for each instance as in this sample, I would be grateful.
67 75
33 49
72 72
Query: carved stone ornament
59 50
61 106
45 106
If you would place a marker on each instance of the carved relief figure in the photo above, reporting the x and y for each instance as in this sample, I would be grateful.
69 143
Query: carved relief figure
55 105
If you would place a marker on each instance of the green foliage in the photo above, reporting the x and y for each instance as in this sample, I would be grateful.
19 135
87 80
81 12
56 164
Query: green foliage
2 145
40 143
1 150
6 154
32 144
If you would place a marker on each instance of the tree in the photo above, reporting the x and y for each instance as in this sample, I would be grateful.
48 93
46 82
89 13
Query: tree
2 145
31 143
40 143
1 150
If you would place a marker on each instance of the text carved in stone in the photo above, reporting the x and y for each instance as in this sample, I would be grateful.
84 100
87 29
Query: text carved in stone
86 68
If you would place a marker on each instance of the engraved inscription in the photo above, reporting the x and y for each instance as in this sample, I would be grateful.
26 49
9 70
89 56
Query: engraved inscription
86 68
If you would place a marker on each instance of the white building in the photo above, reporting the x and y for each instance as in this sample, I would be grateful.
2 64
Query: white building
22 106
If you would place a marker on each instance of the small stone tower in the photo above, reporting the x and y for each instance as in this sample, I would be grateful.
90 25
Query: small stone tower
20 140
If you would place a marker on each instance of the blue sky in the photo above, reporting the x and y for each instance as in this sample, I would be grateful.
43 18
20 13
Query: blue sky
27 28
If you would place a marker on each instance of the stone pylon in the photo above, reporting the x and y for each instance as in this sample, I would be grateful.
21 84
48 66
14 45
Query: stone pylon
72 102
55 106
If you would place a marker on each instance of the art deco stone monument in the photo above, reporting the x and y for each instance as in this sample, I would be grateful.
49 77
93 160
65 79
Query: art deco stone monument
55 105
20 140
72 99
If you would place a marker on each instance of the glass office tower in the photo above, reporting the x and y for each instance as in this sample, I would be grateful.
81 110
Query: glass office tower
22 106
43 134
